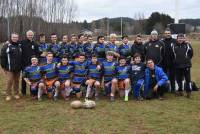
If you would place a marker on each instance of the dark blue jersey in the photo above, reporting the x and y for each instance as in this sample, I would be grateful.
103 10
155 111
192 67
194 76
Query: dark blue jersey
55 49
99 51
122 72
125 50
49 71
88 50
33 73
108 69
80 70
80 48
111 47
137 71
43 47
72 50
93 72
64 50
64 72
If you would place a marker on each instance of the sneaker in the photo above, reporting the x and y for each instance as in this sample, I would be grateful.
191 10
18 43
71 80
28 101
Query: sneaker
137 99
34 97
55 98
141 98
67 98
40 99
96 98
17 97
8 98
86 98
126 98
112 98
188 95
181 93
160 98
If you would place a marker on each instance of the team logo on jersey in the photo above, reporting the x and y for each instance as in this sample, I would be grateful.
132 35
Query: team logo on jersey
136 68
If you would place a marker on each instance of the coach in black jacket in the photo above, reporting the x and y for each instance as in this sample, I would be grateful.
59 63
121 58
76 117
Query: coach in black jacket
138 47
29 48
11 61
183 54
168 65
154 49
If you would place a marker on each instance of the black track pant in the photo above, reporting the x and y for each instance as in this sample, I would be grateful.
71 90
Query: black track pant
170 71
23 86
183 74
160 92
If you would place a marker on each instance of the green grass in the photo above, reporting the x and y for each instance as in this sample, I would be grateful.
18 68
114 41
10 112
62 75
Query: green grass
175 115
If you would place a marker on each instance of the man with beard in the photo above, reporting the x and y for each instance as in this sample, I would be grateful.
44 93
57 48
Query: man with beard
168 66
138 47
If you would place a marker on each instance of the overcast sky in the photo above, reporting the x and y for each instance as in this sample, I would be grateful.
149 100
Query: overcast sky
95 9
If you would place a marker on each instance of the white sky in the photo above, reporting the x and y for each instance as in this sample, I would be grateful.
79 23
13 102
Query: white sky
95 9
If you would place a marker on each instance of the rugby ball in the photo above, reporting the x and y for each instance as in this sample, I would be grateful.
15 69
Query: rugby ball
89 104
76 104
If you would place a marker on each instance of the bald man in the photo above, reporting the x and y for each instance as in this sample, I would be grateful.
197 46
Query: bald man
29 48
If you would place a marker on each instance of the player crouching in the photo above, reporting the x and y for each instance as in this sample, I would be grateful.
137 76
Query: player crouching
63 83
50 77
122 78
94 78
32 77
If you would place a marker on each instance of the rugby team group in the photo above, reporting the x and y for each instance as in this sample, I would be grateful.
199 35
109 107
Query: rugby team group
76 67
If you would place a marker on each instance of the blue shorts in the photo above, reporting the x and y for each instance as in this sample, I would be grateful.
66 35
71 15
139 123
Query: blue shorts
79 80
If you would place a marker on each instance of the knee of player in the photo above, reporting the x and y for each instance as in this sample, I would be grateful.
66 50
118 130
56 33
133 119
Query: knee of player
67 84
127 81
97 84
89 83
41 85
57 84
114 81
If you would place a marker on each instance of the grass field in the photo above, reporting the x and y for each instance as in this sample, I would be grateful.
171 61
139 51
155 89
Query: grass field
174 115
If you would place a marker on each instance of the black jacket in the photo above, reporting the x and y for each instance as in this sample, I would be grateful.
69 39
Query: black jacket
29 48
11 57
155 50
168 56
183 54
138 48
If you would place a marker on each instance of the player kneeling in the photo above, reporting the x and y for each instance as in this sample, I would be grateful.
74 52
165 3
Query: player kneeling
79 74
94 78
32 77
63 83
108 71
122 78
50 77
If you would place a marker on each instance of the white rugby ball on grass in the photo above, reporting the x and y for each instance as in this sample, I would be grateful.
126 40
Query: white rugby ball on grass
76 104
89 104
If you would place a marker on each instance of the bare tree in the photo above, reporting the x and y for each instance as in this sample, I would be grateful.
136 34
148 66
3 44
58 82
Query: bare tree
39 15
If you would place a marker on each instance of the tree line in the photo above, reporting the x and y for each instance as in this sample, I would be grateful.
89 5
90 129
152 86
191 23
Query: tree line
48 16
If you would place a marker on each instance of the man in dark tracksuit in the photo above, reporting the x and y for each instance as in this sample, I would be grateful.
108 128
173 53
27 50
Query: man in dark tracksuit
138 47
183 54
154 49
11 62
29 48
168 66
